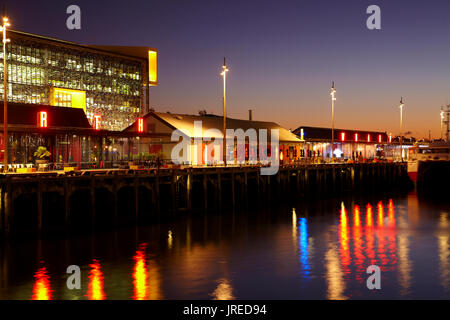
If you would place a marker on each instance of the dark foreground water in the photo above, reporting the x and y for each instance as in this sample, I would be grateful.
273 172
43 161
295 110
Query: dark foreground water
317 249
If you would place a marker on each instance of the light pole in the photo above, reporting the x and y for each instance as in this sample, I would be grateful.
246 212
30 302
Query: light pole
224 75
442 120
401 128
5 95
333 99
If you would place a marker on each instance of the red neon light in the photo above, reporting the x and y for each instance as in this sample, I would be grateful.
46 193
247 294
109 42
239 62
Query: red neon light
379 138
356 137
43 119
140 125
368 137
97 121
342 136
390 138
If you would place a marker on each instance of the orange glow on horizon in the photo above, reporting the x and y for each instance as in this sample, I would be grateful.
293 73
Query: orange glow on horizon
95 290
41 287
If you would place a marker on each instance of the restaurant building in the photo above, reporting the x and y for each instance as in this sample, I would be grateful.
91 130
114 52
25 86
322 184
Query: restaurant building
348 144
201 152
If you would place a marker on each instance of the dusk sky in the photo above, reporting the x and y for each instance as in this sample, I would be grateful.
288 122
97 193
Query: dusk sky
282 55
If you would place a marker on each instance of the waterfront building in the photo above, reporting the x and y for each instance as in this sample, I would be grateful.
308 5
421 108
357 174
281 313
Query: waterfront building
74 99
163 124
110 83
349 144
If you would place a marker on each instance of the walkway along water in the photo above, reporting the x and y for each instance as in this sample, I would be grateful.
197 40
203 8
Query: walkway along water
48 202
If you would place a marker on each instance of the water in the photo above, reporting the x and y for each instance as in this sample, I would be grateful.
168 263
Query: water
315 250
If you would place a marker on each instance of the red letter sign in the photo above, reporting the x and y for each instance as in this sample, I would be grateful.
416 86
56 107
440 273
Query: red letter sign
97 122
140 125
42 119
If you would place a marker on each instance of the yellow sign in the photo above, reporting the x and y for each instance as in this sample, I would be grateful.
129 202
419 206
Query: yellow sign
153 67
63 97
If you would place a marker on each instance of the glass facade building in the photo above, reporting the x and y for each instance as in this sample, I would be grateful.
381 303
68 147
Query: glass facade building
106 83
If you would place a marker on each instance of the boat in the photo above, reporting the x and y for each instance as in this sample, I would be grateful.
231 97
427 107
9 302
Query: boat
427 163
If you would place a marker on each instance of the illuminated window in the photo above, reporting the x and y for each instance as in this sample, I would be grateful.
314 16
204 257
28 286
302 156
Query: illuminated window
153 67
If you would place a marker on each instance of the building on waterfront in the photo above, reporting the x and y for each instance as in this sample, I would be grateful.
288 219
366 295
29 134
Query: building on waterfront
163 124
74 99
349 144
108 82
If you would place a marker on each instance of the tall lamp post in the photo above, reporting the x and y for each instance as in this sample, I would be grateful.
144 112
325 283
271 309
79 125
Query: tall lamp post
333 99
5 95
401 128
442 120
224 75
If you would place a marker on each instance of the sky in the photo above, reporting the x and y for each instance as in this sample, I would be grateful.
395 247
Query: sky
282 56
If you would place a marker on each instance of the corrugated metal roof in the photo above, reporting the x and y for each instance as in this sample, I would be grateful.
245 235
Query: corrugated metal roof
186 122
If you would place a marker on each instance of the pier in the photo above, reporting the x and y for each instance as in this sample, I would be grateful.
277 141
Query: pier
99 199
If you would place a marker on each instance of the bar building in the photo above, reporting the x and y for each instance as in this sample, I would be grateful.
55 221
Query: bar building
163 124
348 144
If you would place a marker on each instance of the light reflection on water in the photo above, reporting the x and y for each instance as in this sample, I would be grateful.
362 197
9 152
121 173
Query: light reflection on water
319 251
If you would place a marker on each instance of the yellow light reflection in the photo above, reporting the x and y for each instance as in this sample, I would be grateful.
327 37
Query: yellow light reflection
380 213
344 240
170 239
294 226
404 264
140 275
334 276
358 244
41 287
224 291
391 213
444 252
369 215
95 288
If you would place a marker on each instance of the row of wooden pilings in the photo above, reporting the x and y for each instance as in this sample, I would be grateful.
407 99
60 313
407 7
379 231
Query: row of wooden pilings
111 198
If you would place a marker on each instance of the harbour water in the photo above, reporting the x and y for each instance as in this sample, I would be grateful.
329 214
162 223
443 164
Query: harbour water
310 250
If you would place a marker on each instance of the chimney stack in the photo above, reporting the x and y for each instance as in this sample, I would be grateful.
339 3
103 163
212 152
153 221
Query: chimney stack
250 115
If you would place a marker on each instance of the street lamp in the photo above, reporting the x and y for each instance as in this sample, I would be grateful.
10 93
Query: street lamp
224 75
442 120
5 95
333 99
401 128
